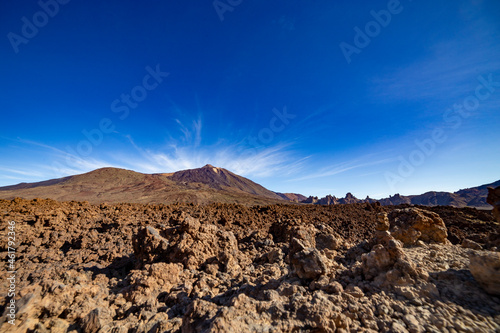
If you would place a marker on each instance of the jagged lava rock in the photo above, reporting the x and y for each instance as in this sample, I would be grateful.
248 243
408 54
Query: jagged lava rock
76 270
149 245
382 222
410 225
387 261
306 260
191 243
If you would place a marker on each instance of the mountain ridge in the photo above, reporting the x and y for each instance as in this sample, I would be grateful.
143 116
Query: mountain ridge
209 184
113 185
468 197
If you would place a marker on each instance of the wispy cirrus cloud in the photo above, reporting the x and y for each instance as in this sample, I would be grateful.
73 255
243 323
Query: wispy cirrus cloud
185 151
53 162
449 70
361 162
191 134
264 162
21 172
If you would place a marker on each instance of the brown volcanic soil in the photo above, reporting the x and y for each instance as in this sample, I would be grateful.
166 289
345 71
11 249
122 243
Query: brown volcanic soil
229 267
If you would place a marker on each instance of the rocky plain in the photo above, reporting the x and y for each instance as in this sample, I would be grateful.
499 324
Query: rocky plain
120 268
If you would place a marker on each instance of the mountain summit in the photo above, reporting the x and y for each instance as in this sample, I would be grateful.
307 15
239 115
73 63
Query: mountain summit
222 179
201 185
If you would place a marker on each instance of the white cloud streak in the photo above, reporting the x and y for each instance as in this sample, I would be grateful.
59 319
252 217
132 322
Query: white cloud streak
449 71
346 166
185 152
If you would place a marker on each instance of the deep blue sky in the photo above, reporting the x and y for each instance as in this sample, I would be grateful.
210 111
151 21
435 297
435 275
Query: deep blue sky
351 123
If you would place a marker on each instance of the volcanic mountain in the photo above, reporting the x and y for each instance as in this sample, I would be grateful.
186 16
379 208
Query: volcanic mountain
203 185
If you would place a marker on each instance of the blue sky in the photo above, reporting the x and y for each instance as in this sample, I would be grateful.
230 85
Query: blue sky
318 97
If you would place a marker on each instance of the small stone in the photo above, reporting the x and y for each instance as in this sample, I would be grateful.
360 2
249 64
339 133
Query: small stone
354 291
470 244
95 320
382 222
412 323
333 288
398 328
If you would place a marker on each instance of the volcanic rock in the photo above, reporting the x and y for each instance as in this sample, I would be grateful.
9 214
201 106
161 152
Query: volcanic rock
494 200
382 222
191 243
234 268
387 261
485 268
150 246
306 260
410 225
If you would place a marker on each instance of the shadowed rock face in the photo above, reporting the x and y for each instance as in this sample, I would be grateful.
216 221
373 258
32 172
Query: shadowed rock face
485 267
486 270
494 200
235 268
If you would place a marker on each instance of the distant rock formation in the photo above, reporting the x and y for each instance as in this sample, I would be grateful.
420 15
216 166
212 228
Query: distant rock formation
333 200
328 200
471 197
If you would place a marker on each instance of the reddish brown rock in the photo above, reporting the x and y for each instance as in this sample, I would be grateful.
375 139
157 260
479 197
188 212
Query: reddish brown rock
284 268
410 225
150 246
191 243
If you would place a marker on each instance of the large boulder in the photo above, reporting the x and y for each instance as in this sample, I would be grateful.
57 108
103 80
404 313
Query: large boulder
149 246
305 258
191 243
494 200
308 263
410 225
387 263
378 260
485 268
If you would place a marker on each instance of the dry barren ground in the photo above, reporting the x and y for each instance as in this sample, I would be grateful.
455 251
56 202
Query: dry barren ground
233 268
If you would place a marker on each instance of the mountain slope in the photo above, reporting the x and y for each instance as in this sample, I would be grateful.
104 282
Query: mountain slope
470 197
203 185
295 197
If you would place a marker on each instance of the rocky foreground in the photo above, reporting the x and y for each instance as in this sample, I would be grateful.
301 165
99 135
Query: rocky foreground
232 268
